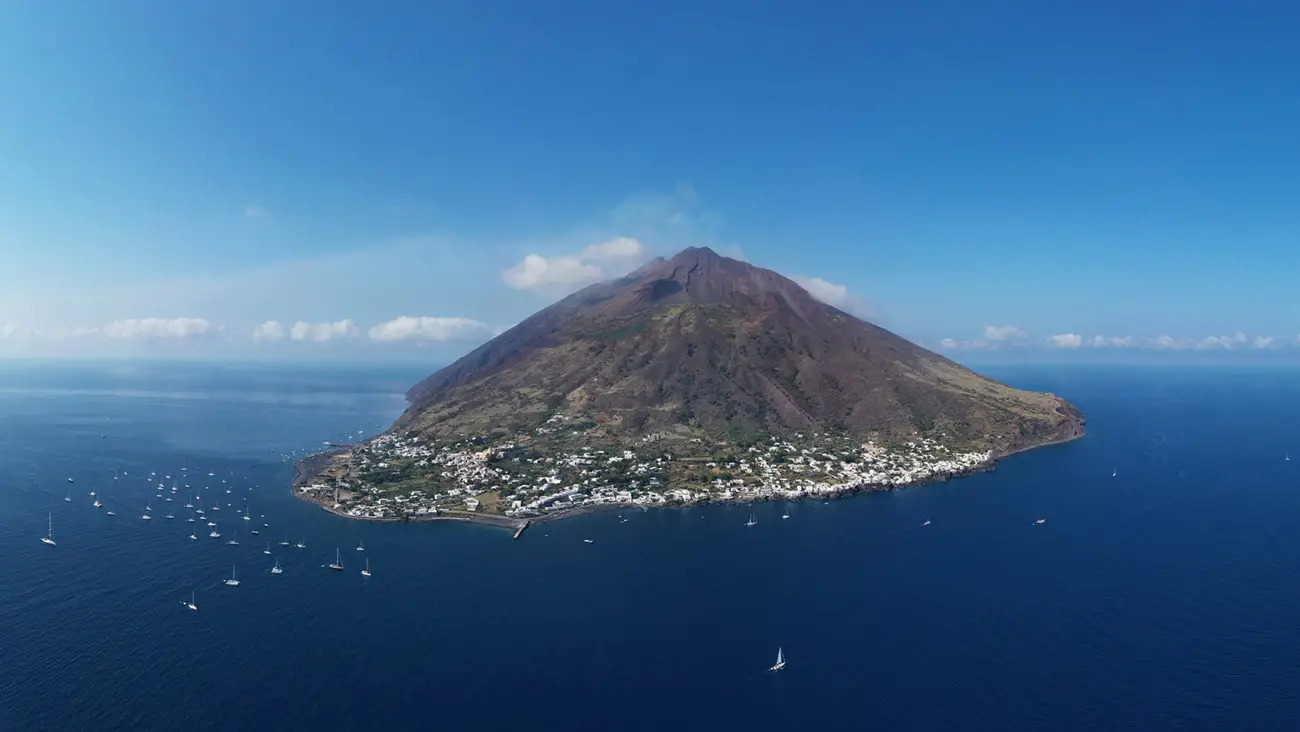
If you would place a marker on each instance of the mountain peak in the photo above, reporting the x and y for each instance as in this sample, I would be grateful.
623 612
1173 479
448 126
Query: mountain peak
703 346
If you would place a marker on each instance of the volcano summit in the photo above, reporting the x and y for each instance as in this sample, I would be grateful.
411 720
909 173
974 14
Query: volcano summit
693 378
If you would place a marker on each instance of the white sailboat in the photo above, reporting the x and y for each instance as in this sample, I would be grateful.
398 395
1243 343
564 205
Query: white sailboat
49 535
338 562
145 516
96 504
276 569
301 544
267 550
110 513
67 498
286 540
361 547
190 604
1114 472
234 580
780 661
215 534
234 540
366 572
752 521
193 537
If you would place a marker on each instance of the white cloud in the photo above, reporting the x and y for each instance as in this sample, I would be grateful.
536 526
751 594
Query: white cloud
1065 340
1113 341
570 271
1226 342
254 212
1265 342
1165 342
616 249
156 328
15 332
536 272
321 332
1002 333
408 328
952 344
831 293
271 330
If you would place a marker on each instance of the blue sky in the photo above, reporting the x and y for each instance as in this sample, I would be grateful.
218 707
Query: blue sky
978 177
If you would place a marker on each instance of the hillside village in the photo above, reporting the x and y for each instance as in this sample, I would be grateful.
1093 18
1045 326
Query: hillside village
400 477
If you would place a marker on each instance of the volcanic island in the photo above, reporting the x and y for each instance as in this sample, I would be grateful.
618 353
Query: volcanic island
695 379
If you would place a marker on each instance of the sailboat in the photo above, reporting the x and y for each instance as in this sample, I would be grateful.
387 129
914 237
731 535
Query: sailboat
366 572
1114 472
276 569
110 513
215 534
338 562
49 536
190 604
114 473
301 544
234 540
780 661
752 521
96 504
267 550
146 515
233 581
361 547
193 537
286 540
67 498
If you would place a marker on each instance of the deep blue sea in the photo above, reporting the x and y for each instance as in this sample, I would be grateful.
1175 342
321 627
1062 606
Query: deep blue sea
1167 597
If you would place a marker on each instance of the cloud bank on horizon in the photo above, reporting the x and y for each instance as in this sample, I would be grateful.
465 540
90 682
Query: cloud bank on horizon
1000 337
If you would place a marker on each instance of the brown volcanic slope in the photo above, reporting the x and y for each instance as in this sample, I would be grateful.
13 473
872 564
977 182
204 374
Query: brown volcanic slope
701 345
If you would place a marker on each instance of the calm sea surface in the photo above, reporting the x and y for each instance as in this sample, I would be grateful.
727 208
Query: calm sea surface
1167 597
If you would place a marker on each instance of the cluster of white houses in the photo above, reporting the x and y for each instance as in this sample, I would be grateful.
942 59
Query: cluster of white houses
376 479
